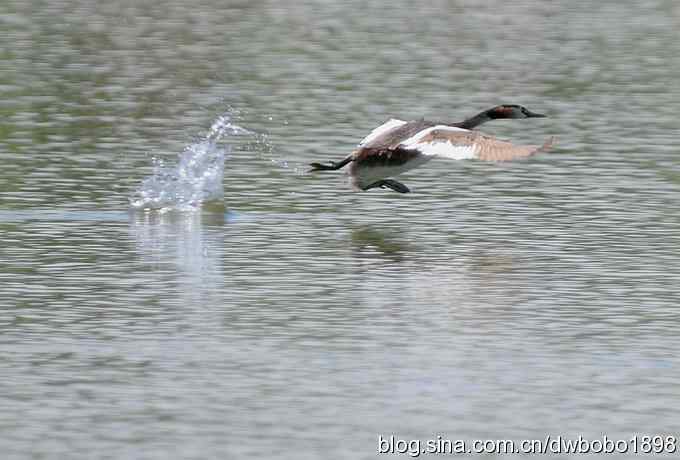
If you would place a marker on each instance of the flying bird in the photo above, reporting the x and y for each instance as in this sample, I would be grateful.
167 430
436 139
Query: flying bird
398 146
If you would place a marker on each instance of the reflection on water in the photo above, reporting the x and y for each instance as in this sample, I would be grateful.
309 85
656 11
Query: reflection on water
189 242
51 215
287 317
367 240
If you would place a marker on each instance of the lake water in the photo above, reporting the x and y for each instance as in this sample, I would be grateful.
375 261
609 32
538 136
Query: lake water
293 318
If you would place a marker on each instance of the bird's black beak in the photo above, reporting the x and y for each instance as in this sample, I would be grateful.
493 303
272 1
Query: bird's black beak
535 115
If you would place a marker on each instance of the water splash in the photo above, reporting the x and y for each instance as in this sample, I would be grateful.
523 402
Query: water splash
197 176
262 148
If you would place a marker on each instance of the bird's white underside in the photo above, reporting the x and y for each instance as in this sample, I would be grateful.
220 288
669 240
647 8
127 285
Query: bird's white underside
366 176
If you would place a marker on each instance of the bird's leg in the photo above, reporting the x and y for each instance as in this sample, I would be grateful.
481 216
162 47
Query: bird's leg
331 167
395 185
391 184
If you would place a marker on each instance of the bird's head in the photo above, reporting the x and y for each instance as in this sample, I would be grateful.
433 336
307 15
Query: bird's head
512 111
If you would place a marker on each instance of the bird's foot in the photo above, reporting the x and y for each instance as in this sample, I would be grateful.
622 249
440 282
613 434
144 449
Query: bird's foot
391 184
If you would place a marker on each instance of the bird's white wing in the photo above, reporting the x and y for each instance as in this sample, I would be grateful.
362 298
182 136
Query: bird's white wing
461 144
442 141
386 127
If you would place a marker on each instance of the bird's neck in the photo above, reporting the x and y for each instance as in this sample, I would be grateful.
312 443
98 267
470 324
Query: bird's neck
475 121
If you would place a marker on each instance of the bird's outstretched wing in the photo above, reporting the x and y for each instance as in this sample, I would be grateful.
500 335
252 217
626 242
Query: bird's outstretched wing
381 130
459 144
